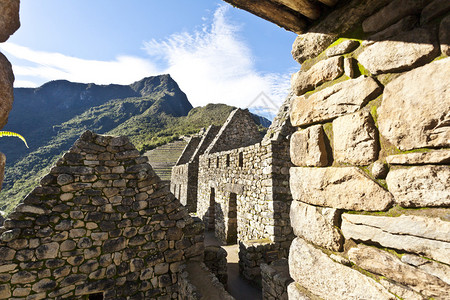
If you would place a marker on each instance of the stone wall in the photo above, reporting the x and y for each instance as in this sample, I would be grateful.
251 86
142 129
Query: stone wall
184 179
275 280
244 196
100 223
371 182
216 261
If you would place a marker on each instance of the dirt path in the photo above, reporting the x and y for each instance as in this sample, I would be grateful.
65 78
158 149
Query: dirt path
238 287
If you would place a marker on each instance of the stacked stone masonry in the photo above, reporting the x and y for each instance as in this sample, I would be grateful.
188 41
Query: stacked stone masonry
371 182
100 223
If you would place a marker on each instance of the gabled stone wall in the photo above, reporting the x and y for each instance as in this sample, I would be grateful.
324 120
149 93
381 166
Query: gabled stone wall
371 185
100 223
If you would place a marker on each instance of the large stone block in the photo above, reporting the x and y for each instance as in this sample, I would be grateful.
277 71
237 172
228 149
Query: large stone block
421 235
444 35
442 271
388 265
403 52
310 44
441 156
420 186
308 147
391 13
344 188
9 18
330 280
6 89
323 71
340 99
415 111
355 139
295 291
433 10
317 225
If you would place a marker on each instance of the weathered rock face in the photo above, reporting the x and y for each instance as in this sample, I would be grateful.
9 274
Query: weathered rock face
405 24
420 186
340 99
344 188
388 265
421 235
9 18
100 222
444 35
391 13
310 44
330 280
321 72
6 89
420 158
355 139
308 147
317 225
342 48
434 9
441 271
405 51
415 108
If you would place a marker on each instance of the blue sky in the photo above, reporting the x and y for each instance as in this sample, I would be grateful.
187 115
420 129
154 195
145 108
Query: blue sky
215 52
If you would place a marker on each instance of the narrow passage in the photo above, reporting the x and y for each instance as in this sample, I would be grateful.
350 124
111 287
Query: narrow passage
238 287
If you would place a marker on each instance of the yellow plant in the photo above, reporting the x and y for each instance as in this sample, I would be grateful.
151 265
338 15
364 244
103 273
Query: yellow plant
10 133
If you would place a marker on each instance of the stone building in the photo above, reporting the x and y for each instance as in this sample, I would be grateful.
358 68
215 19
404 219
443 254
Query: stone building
371 181
238 183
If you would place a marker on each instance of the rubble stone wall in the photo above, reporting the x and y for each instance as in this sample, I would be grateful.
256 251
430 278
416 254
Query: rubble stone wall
100 223
371 182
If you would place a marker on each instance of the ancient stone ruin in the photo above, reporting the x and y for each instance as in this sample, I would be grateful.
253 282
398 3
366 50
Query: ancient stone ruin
346 197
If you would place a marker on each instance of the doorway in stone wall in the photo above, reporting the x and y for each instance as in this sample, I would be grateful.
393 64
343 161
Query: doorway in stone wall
212 210
232 220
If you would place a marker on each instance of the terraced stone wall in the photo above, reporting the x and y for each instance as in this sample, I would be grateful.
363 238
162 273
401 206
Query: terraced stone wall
371 182
100 224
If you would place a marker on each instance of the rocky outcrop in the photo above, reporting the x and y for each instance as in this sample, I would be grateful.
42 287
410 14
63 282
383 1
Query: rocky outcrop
343 188
355 139
340 99
420 186
330 280
9 18
414 112
421 235
6 89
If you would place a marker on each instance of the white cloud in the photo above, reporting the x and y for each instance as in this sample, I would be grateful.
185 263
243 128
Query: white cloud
215 65
50 66
212 64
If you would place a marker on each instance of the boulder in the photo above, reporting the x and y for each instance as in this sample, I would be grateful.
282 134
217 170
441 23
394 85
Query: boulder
415 109
391 13
330 280
388 265
317 225
355 139
403 52
310 44
6 89
441 156
342 188
421 186
342 48
308 147
9 18
340 99
420 235
323 71
295 291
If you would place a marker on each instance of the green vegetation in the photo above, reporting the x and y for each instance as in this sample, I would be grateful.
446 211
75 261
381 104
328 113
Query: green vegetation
55 115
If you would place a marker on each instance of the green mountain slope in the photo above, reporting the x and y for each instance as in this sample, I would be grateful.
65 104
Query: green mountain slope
158 115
